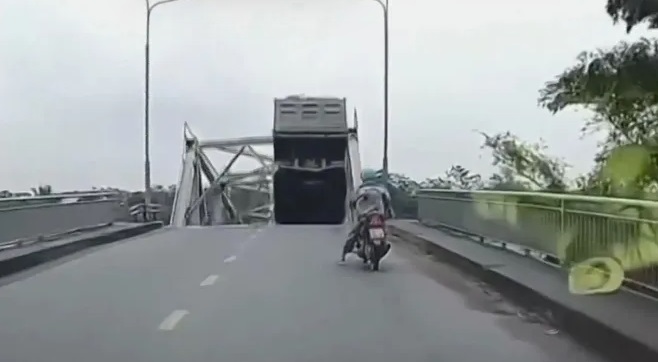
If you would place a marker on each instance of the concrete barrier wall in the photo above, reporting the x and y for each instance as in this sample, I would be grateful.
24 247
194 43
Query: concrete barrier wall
32 221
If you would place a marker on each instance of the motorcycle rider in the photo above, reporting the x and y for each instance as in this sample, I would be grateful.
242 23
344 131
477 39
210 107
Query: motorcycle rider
371 196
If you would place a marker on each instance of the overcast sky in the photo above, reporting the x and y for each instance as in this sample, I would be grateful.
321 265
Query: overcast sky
71 79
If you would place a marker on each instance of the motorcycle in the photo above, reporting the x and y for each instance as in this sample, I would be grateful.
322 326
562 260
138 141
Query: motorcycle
374 245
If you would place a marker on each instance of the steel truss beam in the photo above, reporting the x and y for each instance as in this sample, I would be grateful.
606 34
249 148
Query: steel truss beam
230 197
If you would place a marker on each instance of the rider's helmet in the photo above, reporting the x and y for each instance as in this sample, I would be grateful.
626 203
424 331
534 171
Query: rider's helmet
373 178
369 175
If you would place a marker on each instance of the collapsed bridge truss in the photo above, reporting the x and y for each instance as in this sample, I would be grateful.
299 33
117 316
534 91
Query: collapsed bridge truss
206 196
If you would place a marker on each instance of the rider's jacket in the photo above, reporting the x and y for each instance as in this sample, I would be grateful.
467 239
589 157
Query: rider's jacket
370 198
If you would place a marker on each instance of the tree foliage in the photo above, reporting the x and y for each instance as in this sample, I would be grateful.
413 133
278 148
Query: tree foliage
403 182
505 180
458 177
523 164
620 77
620 86
633 12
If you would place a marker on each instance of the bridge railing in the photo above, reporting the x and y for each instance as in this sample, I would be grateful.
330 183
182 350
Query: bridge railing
562 228
142 212
27 218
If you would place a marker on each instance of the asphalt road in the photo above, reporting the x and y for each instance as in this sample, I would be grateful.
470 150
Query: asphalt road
274 294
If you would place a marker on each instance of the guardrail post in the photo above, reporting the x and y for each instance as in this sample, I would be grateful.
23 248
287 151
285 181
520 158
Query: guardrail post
562 216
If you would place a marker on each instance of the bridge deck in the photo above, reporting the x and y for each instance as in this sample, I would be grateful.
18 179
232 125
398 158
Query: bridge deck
279 297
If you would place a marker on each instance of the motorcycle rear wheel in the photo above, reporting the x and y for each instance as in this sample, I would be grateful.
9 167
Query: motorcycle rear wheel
374 256
375 264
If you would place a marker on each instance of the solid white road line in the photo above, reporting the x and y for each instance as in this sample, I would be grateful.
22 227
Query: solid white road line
210 280
230 259
172 320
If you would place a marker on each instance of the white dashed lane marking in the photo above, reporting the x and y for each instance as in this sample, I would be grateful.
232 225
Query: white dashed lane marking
172 320
210 280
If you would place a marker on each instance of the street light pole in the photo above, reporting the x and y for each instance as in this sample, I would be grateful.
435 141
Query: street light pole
147 130
384 4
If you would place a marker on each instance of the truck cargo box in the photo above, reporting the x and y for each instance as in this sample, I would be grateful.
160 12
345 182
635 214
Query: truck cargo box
319 115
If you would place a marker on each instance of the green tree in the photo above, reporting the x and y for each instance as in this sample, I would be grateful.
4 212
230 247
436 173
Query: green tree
620 87
523 165
458 177
403 182
633 12
505 180
435 183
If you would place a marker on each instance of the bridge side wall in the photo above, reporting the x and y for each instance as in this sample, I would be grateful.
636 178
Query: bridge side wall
33 221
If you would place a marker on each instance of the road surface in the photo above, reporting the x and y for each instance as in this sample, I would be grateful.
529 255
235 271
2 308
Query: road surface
274 294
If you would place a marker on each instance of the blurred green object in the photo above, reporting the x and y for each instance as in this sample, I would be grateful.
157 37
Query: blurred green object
627 168
598 275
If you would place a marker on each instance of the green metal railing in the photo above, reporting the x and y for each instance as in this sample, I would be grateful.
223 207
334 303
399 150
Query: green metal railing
572 228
